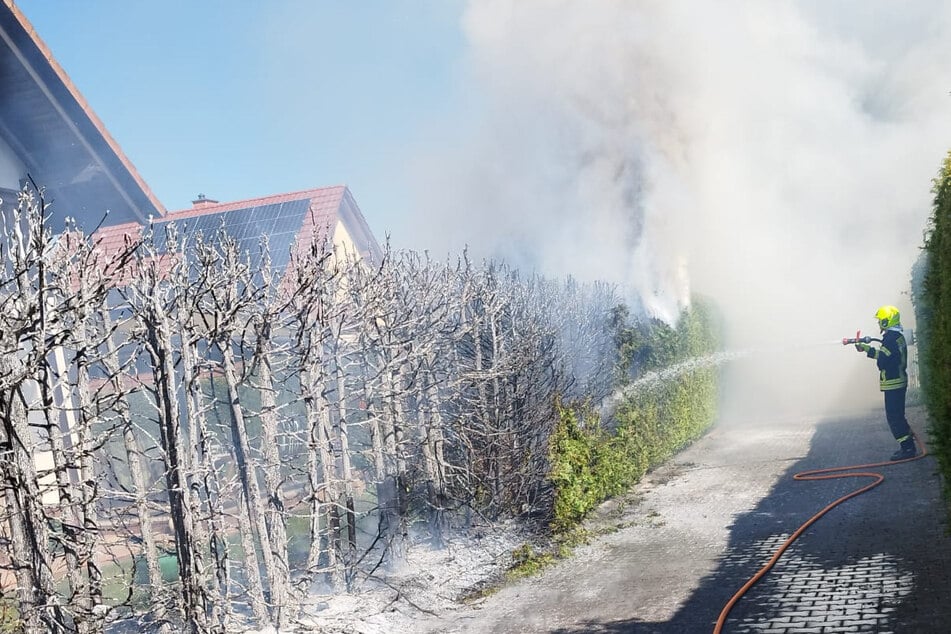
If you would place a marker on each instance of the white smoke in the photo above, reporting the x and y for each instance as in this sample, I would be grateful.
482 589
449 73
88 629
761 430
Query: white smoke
782 150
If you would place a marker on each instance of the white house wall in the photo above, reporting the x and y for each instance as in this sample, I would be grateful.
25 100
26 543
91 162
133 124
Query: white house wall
343 243
43 460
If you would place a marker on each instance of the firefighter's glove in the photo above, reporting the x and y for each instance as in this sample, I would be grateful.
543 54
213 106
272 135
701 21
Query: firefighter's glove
863 347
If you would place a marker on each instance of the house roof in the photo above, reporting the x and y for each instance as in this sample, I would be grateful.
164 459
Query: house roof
289 221
63 144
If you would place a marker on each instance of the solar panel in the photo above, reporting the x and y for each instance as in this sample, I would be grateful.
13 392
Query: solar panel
247 227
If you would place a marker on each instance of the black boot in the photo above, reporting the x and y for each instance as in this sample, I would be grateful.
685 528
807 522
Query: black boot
906 450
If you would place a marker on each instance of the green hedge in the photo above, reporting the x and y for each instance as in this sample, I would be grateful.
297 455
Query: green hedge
592 461
931 294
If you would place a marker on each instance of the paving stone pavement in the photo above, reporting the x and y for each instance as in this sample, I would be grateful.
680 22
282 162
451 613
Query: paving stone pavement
879 563
695 530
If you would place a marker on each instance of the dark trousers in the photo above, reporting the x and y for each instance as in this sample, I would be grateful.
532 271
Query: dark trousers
895 413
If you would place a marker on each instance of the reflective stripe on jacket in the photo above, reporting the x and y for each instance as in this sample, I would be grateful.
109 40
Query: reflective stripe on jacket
892 360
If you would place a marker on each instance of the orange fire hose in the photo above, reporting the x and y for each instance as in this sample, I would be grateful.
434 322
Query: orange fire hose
830 473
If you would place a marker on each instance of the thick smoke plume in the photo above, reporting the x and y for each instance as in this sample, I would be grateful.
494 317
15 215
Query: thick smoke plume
782 152
775 156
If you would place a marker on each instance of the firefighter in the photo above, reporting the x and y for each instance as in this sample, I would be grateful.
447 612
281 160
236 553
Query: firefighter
892 360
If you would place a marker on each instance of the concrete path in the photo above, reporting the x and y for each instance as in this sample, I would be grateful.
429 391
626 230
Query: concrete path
676 548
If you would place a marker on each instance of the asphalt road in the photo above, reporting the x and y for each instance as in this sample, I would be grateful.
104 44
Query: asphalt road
676 548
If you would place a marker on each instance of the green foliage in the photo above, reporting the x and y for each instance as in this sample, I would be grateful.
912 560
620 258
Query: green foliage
591 462
527 561
586 465
931 294
651 344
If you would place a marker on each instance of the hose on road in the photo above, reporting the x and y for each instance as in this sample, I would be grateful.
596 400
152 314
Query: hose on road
829 473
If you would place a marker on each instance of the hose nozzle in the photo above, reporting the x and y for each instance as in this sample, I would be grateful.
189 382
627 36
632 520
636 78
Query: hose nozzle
858 338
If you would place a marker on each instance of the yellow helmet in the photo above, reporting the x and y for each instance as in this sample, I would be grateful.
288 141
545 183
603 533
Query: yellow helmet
887 317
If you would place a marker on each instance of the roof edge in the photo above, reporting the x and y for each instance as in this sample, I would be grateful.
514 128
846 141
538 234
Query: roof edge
84 105
252 202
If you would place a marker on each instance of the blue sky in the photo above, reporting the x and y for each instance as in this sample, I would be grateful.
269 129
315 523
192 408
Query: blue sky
239 99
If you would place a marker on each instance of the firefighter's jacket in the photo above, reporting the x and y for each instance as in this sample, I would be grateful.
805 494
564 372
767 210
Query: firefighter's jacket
892 359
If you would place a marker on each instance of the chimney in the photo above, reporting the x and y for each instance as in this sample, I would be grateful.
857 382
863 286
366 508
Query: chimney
201 202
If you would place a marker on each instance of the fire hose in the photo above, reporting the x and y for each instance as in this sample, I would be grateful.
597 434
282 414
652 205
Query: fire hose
828 473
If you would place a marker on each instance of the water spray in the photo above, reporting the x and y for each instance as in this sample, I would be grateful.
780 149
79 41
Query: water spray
658 377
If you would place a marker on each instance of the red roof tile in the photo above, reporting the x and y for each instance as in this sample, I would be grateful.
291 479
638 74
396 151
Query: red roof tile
110 240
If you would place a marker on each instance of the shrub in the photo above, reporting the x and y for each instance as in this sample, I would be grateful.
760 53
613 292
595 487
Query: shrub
931 294
592 461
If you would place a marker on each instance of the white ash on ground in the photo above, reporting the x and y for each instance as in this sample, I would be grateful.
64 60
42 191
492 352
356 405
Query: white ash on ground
432 582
